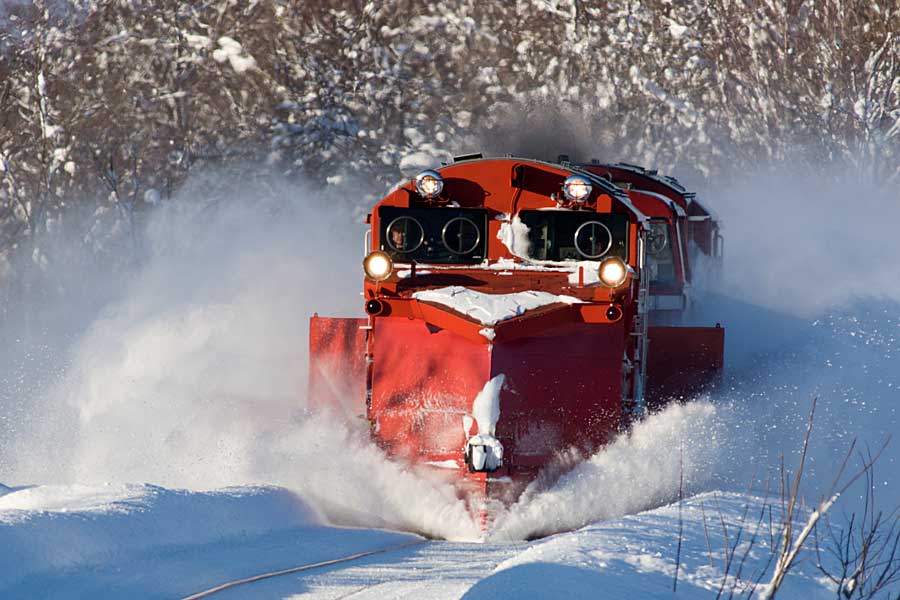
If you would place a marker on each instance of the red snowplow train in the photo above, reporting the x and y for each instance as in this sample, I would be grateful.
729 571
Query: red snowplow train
520 314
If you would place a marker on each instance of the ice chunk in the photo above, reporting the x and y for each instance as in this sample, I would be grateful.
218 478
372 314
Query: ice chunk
231 50
443 464
514 235
486 407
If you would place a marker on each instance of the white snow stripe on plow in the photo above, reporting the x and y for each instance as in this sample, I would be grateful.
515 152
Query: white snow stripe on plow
232 584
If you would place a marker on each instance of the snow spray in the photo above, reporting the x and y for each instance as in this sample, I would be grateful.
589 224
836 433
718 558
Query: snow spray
662 455
195 375
810 298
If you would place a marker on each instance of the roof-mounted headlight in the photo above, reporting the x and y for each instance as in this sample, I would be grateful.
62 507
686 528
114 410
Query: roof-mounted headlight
429 184
613 271
576 188
378 265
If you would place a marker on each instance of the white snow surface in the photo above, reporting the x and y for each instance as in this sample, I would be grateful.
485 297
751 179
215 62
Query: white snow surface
490 309
175 385
589 272
143 541
407 273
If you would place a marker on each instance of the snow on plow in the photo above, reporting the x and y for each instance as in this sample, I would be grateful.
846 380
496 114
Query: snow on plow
519 315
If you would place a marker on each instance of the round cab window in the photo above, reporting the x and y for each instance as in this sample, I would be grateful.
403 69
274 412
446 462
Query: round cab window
461 235
593 239
657 238
404 234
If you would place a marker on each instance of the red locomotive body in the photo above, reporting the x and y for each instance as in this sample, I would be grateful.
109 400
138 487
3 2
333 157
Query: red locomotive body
520 314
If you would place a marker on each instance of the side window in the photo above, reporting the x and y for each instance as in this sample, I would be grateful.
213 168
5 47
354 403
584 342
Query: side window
660 258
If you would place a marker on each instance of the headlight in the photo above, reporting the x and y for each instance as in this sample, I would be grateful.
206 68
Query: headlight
378 265
576 188
613 272
429 184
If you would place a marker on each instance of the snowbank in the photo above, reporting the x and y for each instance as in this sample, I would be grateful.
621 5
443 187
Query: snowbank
53 527
634 557
490 309
628 557
63 540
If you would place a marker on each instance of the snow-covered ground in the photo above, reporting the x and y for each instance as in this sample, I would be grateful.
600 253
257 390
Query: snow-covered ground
141 541
189 382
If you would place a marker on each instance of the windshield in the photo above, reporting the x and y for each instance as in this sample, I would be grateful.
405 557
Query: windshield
434 235
558 235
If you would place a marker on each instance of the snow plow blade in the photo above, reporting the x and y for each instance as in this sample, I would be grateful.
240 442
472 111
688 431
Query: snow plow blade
337 365
683 362
429 373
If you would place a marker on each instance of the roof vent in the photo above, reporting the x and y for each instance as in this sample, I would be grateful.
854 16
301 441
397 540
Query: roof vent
462 157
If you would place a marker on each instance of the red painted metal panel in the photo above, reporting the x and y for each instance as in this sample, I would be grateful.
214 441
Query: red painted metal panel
423 382
563 391
337 365
682 361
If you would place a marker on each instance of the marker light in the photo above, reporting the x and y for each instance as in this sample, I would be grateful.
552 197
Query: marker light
429 184
613 272
378 265
374 307
576 188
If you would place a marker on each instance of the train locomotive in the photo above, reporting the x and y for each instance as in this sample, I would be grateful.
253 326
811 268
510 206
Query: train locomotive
519 315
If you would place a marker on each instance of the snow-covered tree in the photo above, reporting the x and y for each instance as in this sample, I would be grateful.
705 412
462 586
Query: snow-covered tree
108 106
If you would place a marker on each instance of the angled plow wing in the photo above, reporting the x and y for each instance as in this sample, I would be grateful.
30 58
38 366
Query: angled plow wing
337 365
683 362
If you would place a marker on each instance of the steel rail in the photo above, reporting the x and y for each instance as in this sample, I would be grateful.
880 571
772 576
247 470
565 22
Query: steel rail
232 584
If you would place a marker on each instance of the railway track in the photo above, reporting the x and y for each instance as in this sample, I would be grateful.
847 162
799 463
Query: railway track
298 569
